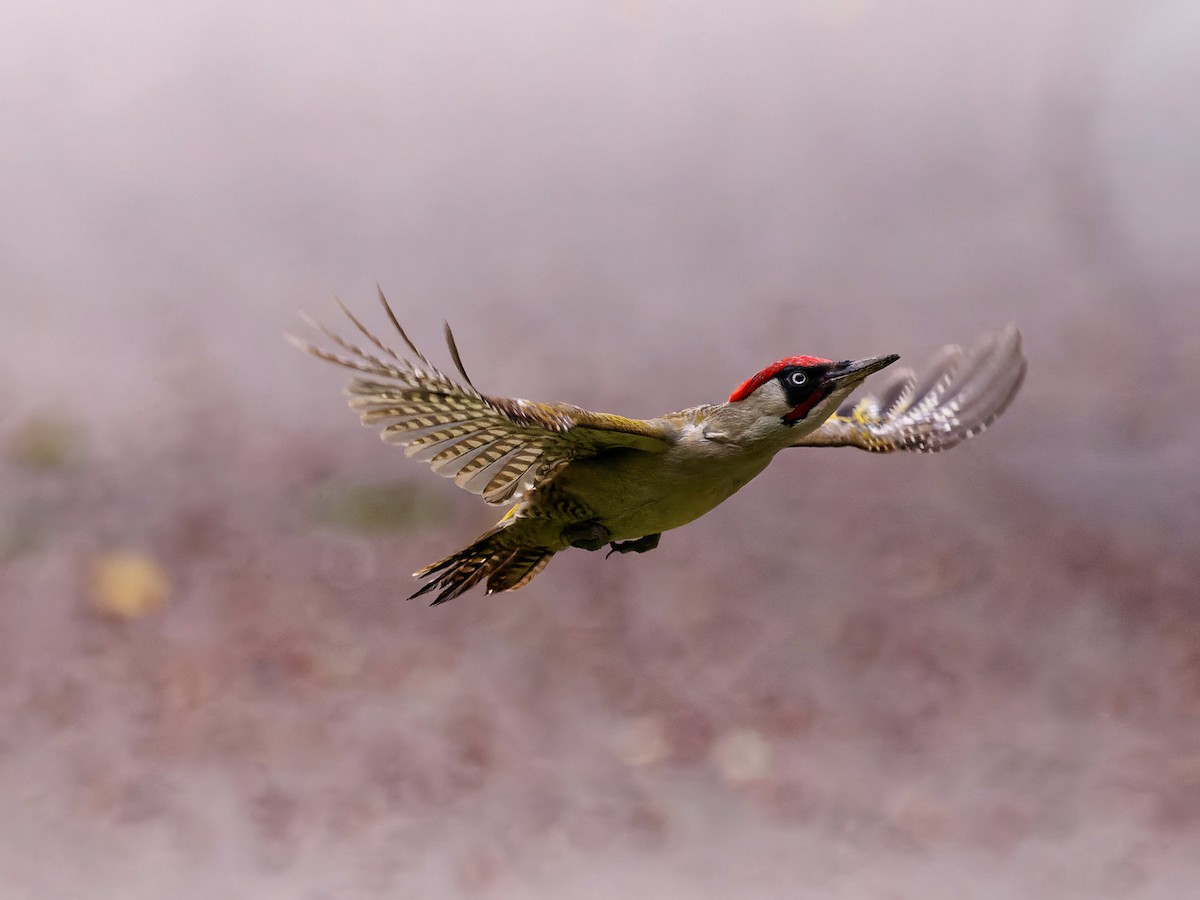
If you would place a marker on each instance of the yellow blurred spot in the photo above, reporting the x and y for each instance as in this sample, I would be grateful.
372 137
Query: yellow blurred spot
743 755
642 742
128 585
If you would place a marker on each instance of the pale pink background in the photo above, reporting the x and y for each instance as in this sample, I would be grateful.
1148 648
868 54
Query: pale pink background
975 675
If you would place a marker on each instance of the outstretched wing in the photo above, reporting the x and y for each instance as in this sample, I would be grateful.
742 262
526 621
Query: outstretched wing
958 396
488 445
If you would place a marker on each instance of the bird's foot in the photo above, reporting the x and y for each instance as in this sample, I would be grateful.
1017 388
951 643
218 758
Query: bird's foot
641 545
589 535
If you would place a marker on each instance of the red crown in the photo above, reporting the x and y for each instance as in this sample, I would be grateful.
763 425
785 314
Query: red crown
749 387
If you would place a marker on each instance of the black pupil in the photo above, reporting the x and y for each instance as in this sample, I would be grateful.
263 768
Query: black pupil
798 378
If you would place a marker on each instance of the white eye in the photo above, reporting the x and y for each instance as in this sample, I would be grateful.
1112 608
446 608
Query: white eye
797 378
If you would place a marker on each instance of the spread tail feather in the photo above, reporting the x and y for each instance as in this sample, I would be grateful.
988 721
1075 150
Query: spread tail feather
506 568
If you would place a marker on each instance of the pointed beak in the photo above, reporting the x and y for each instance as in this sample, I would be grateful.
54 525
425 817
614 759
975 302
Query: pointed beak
850 372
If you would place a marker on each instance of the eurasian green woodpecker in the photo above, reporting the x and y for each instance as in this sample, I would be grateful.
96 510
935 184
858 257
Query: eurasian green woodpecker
583 479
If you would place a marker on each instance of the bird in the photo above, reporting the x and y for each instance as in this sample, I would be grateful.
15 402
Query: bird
583 479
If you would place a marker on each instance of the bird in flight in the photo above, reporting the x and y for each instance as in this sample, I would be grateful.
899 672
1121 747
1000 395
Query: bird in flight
576 478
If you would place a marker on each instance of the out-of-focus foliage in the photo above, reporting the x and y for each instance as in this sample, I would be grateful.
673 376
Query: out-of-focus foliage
45 443
379 506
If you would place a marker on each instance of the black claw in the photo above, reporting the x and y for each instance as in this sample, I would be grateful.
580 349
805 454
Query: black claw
641 545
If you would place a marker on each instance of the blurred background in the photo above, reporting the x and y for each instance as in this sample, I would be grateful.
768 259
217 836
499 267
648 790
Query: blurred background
969 675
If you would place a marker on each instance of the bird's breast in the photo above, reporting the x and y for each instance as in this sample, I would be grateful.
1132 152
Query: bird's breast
633 493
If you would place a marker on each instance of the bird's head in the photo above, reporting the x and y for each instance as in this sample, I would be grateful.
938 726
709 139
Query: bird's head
804 389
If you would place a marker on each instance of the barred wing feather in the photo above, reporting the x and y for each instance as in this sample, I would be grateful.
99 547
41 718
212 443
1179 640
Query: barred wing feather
490 446
958 396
